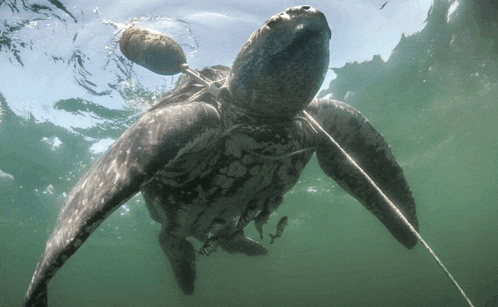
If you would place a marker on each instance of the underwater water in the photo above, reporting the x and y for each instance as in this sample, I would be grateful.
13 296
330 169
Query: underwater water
435 100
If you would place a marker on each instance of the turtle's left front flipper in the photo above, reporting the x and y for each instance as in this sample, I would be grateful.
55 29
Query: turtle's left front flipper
371 152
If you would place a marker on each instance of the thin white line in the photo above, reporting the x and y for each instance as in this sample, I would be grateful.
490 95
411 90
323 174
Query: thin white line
391 204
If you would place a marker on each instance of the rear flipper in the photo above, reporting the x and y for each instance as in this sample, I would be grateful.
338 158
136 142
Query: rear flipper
244 245
181 255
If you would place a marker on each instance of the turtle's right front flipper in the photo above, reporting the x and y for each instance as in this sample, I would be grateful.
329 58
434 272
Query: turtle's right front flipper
148 146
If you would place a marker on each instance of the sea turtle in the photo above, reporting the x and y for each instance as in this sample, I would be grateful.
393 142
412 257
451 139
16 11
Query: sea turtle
207 166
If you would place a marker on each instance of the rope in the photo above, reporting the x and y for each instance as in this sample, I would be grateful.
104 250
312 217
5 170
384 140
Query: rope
389 202
210 86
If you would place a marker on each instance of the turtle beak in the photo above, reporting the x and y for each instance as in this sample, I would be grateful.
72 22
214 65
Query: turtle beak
313 19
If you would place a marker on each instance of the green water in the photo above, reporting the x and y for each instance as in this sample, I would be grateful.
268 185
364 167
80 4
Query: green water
435 101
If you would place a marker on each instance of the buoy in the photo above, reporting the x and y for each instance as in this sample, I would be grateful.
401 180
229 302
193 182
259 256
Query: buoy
152 50
160 54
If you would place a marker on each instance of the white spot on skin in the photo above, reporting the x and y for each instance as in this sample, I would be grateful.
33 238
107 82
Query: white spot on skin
112 167
84 183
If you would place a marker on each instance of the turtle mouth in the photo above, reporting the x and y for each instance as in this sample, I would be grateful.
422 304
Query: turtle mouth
306 17
294 28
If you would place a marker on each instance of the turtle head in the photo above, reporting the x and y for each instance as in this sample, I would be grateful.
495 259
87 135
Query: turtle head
282 65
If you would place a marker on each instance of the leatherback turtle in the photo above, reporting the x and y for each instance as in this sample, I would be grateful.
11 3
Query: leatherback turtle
208 166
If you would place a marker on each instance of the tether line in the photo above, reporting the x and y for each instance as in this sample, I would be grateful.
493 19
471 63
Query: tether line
319 128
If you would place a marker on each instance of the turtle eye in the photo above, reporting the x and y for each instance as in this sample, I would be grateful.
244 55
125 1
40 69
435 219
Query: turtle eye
273 22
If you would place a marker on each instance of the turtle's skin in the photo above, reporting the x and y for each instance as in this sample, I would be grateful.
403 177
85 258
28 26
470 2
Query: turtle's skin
207 167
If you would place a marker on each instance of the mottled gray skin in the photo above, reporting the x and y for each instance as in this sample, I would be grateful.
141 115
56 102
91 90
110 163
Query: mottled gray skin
206 167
